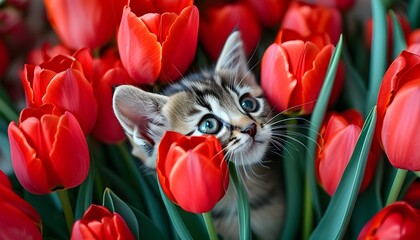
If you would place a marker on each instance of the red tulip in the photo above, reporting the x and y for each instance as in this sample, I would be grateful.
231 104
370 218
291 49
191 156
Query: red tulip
413 37
339 4
398 112
158 45
405 25
141 7
192 171
293 71
48 151
99 223
109 73
4 58
64 81
413 42
46 52
412 196
269 12
397 221
4 180
338 137
218 22
84 23
18 219
309 19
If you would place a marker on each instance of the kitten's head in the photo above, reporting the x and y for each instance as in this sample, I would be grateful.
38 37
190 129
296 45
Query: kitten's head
226 102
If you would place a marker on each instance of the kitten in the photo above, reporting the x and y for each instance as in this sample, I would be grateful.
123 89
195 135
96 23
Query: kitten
228 103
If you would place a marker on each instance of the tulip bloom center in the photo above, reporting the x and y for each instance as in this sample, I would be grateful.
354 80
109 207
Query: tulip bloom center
159 24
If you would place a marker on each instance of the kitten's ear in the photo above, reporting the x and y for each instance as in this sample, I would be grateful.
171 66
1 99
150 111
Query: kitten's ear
140 114
233 55
233 59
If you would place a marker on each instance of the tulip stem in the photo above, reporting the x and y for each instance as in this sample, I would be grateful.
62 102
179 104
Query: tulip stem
208 219
307 210
396 186
68 211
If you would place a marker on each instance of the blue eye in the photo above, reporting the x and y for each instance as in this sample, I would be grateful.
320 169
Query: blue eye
209 125
249 104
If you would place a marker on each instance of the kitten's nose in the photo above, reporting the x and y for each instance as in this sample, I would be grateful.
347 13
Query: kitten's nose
251 129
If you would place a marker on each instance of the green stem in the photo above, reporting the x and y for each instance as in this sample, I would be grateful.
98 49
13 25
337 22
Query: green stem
396 186
208 219
307 210
243 204
68 211
7 111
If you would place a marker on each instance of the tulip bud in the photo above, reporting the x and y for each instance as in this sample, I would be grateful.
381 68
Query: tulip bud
192 171
398 120
99 222
49 152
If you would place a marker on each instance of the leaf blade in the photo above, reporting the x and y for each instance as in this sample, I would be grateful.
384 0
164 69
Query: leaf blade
337 216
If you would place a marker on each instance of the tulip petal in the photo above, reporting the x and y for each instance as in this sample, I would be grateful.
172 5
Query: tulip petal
27 78
172 6
122 229
71 91
107 128
72 165
400 139
42 78
313 79
82 31
139 49
84 58
14 200
396 221
393 79
17 225
29 169
178 50
96 229
331 166
276 79
192 172
4 181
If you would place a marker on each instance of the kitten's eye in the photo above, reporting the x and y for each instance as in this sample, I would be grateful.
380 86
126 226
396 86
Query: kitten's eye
209 125
249 104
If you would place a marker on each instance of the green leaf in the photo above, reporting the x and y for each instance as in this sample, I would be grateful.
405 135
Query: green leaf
414 13
337 216
378 53
243 204
115 204
7 107
84 195
355 89
194 223
368 203
150 198
176 219
398 35
49 209
316 122
148 230
293 188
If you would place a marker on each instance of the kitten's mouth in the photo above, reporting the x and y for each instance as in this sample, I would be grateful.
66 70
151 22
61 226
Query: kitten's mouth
248 145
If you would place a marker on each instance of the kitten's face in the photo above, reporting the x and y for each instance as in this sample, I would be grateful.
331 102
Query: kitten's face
226 103
228 107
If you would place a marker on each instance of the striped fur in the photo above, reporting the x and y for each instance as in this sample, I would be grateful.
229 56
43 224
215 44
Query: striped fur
230 98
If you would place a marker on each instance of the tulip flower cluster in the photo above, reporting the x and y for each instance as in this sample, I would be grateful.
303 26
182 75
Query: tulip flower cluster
342 78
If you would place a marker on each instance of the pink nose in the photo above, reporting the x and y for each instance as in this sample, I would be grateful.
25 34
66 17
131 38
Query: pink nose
251 129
